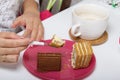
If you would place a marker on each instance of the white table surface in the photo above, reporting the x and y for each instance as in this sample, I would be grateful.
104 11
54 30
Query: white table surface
107 54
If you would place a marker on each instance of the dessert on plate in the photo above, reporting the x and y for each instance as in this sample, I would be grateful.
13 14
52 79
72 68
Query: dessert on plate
48 62
81 54
57 41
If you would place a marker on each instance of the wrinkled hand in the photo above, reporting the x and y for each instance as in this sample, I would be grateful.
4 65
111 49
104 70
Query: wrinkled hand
11 43
34 27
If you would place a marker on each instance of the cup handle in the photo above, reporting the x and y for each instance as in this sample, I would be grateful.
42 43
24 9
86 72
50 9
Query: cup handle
75 30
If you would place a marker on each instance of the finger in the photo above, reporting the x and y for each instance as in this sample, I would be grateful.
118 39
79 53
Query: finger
9 35
34 31
40 35
18 22
28 30
9 58
14 42
11 51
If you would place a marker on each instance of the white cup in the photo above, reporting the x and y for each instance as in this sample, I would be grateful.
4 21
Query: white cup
89 21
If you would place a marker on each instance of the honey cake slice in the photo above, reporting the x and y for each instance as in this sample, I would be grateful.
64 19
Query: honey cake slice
81 54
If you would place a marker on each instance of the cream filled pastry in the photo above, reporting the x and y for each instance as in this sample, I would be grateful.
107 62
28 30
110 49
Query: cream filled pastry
57 41
81 54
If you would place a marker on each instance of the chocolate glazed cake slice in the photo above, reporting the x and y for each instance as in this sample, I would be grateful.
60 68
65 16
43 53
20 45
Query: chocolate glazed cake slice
48 62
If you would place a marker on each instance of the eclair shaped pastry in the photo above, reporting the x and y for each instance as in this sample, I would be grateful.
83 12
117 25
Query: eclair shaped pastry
81 54
8 58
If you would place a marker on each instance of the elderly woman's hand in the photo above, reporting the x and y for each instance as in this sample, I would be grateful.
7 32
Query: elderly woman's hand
34 28
11 43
